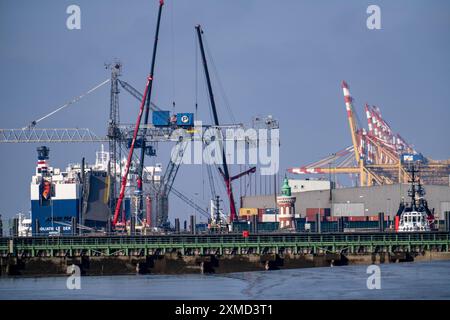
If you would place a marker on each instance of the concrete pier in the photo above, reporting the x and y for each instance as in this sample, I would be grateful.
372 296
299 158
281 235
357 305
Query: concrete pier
219 253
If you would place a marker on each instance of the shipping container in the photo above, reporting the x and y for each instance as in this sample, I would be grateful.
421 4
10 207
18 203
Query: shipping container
161 118
348 209
361 224
410 157
357 218
270 211
329 226
269 218
239 226
248 211
185 119
313 211
268 226
201 227
261 214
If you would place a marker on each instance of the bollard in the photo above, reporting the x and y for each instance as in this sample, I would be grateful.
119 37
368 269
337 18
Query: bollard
318 226
132 225
447 221
254 224
381 221
192 227
15 227
108 226
36 227
341 224
74 225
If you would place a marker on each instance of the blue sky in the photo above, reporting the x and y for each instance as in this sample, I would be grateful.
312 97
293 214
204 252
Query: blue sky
285 58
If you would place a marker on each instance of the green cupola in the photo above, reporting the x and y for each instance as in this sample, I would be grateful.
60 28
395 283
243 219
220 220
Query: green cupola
286 189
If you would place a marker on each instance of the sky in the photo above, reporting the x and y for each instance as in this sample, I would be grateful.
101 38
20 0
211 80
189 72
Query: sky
280 58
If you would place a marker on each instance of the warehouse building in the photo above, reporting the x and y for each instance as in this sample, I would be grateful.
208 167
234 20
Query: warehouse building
357 201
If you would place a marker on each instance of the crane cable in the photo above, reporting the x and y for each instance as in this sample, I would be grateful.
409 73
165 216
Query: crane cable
219 82
76 99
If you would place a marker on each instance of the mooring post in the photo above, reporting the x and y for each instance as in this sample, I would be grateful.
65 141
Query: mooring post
447 221
318 226
381 221
11 247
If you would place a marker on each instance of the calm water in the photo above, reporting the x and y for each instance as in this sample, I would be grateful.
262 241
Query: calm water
429 280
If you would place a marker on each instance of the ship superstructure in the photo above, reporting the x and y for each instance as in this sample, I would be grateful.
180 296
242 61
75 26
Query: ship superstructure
73 200
55 197
415 216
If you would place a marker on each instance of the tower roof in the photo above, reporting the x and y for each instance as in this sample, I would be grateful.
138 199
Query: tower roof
286 189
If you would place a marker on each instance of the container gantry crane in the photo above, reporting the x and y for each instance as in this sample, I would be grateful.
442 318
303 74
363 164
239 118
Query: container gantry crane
377 153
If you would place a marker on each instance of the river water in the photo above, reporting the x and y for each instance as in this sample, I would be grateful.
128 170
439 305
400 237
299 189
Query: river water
425 280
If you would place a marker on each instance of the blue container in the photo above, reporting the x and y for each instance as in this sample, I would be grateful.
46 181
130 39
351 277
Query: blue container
410 157
185 119
160 118
270 211
268 226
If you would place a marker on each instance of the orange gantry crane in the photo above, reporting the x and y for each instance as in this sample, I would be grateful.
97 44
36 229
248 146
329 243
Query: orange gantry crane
377 155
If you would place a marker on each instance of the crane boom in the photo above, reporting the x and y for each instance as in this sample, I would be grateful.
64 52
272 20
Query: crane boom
351 120
135 93
130 155
144 103
148 98
190 203
226 174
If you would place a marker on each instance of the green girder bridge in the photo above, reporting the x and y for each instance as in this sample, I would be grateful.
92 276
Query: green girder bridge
224 244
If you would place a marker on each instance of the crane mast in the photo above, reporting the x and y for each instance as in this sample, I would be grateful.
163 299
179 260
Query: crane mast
226 174
147 109
113 130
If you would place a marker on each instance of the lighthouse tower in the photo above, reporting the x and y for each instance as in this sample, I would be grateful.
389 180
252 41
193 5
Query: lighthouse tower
286 207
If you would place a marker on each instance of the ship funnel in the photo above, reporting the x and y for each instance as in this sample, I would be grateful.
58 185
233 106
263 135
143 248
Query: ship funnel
43 153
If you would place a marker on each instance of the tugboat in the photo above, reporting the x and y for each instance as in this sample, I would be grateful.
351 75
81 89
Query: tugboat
415 216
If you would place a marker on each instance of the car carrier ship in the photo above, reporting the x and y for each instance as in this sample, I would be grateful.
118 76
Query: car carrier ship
63 202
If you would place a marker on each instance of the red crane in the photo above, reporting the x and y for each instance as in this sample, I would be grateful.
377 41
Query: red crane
144 103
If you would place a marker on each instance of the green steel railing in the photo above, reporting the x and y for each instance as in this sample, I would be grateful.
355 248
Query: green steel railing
226 238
